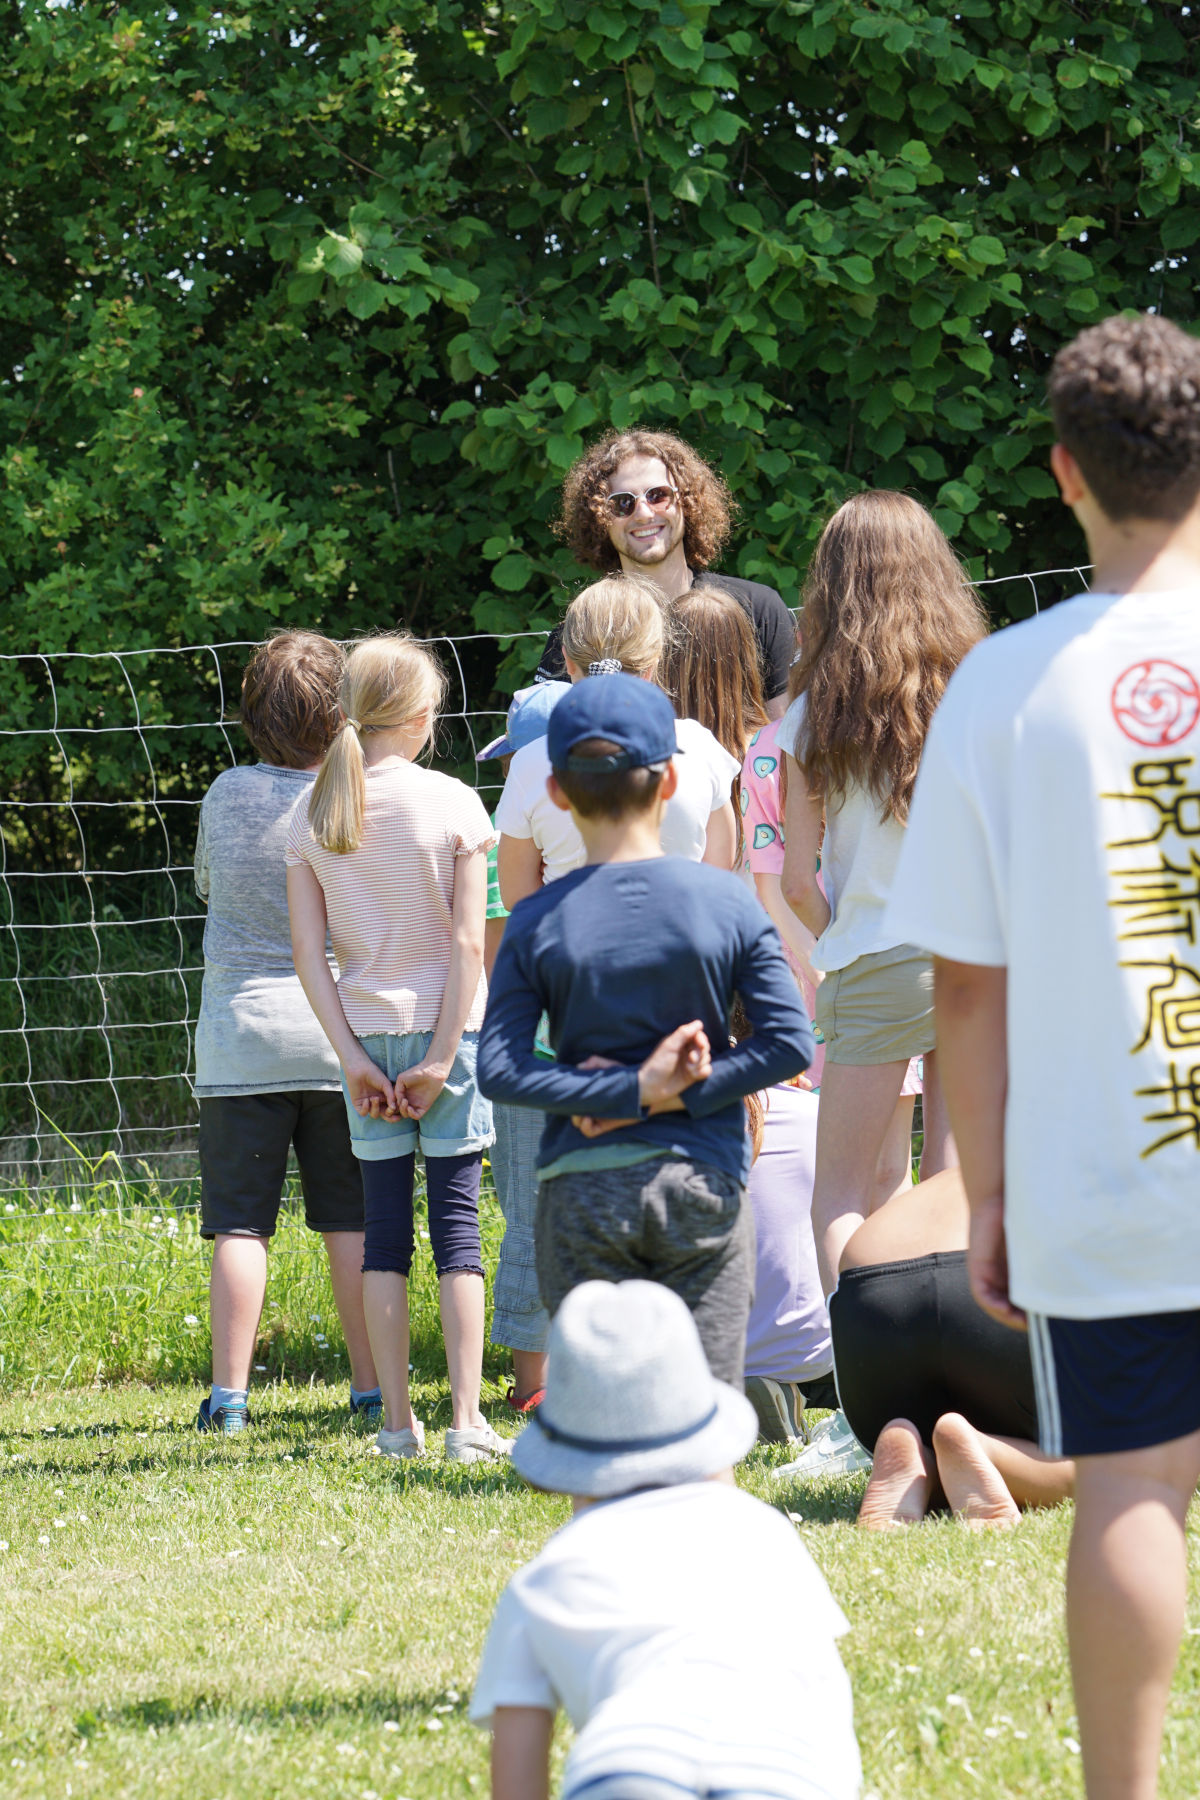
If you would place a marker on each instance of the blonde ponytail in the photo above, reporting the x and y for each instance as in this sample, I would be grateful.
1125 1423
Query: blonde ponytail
619 619
389 681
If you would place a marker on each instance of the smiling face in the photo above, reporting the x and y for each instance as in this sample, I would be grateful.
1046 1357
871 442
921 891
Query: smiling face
647 537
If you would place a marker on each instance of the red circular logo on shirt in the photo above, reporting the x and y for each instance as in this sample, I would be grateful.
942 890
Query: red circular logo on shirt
1156 702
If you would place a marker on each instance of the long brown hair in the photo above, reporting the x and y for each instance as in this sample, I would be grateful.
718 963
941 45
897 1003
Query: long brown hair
710 667
888 616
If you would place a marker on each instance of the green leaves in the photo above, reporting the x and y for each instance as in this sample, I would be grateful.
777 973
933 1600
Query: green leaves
380 284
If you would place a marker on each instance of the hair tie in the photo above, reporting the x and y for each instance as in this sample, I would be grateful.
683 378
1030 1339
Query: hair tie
353 722
607 665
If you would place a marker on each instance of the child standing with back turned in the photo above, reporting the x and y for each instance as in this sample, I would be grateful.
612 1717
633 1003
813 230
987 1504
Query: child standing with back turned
266 1080
636 959
393 858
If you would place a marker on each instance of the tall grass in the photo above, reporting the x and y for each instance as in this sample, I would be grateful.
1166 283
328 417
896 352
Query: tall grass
102 1283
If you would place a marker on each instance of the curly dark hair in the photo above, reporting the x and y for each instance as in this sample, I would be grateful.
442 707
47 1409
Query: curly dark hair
1125 396
708 507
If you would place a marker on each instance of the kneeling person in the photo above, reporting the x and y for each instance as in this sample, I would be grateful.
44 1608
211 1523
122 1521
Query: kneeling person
636 958
681 1624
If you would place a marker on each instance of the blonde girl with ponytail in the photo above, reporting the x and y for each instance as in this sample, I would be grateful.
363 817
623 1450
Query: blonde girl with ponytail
390 858
616 625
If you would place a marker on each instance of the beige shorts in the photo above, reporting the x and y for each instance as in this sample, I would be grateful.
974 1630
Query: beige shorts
879 1009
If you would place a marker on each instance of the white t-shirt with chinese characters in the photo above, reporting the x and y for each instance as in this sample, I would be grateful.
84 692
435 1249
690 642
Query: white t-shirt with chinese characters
858 861
1055 829
705 774
687 1627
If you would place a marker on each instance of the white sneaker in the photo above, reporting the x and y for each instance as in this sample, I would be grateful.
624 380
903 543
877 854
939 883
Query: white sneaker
402 1443
475 1443
833 1449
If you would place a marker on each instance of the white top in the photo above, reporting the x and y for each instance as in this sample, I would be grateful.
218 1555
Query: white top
1054 830
692 1608
706 774
389 901
858 862
256 1033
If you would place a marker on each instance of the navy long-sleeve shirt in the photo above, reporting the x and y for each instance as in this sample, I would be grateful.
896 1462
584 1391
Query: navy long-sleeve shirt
618 955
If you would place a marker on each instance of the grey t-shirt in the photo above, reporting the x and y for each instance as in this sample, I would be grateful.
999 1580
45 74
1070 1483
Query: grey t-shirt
256 1033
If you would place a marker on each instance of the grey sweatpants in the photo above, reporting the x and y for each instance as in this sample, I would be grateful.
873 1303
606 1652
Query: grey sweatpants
684 1224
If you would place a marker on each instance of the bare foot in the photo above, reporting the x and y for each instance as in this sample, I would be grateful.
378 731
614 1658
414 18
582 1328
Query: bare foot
898 1491
973 1485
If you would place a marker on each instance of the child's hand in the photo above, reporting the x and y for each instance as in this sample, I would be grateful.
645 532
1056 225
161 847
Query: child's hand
584 1122
417 1089
371 1093
684 1056
987 1263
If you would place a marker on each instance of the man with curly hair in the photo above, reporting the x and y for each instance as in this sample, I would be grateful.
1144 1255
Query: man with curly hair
644 502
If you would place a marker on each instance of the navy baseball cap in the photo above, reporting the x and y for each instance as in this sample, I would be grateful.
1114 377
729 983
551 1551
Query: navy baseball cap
629 712
528 717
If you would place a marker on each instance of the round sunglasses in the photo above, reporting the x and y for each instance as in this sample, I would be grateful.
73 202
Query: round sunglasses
659 499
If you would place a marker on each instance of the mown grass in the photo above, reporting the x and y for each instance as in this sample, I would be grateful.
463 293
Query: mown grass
285 1614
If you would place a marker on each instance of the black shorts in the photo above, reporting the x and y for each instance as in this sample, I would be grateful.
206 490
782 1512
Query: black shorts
909 1342
244 1144
1106 1385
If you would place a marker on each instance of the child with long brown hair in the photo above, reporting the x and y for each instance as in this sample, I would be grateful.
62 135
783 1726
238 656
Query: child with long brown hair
710 668
888 616
391 857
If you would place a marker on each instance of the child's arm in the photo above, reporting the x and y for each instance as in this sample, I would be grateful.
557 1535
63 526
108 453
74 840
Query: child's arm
971 1013
782 1042
796 936
417 1088
518 868
200 863
370 1090
510 1072
521 1752
720 839
803 821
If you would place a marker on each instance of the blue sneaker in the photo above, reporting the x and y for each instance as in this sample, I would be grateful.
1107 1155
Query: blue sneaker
367 1409
228 1420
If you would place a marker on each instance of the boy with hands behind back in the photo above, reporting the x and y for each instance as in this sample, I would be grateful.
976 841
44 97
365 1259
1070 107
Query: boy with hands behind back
636 959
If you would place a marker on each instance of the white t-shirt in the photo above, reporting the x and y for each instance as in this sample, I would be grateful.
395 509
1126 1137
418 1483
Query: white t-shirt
688 1613
705 774
858 862
1056 830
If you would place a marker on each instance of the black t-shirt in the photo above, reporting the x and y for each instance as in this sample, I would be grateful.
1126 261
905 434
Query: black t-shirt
774 628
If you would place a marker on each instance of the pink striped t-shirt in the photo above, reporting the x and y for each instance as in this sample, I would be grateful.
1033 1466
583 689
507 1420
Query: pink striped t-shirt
388 902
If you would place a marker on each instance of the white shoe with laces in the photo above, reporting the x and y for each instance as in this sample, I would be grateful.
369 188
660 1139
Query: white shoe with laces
475 1443
833 1449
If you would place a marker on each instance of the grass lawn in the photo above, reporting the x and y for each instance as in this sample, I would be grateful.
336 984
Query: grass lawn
286 1614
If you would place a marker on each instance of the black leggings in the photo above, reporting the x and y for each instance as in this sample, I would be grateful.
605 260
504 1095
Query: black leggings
452 1186
909 1342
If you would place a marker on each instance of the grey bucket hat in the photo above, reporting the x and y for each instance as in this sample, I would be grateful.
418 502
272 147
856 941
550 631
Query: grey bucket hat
630 1401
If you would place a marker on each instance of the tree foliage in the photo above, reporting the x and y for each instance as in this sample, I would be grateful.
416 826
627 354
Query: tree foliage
305 311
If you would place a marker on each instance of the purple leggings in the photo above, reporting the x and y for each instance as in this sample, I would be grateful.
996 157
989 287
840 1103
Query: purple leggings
453 1186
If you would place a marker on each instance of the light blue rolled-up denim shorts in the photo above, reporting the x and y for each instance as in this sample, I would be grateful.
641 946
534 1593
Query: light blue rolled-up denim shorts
459 1121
